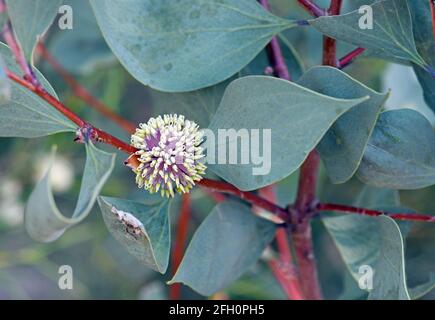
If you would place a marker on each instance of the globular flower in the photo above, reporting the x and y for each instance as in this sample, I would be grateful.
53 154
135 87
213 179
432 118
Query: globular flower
168 155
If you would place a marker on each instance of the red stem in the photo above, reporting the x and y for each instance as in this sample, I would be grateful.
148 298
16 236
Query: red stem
306 196
329 52
283 269
83 93
180 243
19 56
432 10
275 54
335 7
250 197
375 213
287 279
350 57
312 8
95 133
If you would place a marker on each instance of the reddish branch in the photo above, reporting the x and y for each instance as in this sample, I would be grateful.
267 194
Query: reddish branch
350 57
92 132
275 54
250 197
306 196
283 268
83 93
375 213
287 278
180 243
312 8
432 11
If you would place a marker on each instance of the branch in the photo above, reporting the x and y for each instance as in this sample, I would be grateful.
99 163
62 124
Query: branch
83 93
180 243
86 128
350 57
275 54
375 213
283 268
335 7
432 10
304 207
250 197
13 44
312 8
287 279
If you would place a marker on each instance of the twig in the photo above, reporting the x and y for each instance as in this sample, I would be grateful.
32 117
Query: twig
83 93
275 54
16 50
250 197
335 7
312 8
283 268
306 196
85 127
349 58
180 243
287 279
432 10
375 213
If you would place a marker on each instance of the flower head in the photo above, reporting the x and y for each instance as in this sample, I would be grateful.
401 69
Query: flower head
168 153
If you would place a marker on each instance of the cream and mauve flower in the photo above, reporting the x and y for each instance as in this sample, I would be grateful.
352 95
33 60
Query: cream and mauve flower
168 155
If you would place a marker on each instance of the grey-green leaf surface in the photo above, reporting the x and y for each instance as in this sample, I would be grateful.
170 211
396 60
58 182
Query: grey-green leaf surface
295 117
187 44
389 281
30 20
43 220
370 241
5 84
152 244
227 243
343 145
390 38
199 105
25 114
400 153
424 38
82 49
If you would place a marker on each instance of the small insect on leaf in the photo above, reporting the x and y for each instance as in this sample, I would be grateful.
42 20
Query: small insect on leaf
132 225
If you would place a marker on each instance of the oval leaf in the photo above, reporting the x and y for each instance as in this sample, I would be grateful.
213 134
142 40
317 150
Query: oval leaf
225 246
43 220
296 117
370 241
343 145
143 229
400 153
188 44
